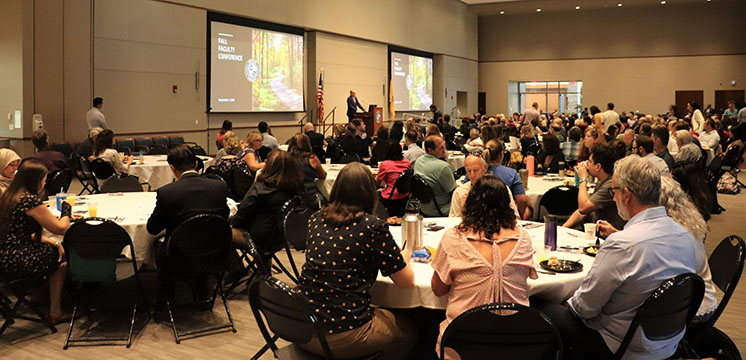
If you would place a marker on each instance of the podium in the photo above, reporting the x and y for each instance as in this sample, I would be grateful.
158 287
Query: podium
373 119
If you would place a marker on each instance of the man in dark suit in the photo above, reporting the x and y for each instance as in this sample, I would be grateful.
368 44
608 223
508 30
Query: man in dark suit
190 195
437 114
353 105
316 139
448 131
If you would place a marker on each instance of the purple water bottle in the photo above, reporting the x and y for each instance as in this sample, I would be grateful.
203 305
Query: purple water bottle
550 232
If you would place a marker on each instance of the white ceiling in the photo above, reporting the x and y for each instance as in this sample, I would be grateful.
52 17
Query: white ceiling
490 7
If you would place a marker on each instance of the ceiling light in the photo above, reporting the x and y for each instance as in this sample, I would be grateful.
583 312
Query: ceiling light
619 5
663 2
538 10
502 12
577 7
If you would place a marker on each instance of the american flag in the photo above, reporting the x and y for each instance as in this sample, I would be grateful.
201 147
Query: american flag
320 97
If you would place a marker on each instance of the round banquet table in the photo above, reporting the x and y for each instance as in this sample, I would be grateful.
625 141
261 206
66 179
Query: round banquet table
155 171
332 171
537 187
131 211
556 287
455 159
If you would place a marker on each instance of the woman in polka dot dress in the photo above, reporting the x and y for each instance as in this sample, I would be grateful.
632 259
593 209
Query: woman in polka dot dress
23 249
347 247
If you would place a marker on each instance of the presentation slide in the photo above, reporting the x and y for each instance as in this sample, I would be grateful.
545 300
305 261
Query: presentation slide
412 82
255 70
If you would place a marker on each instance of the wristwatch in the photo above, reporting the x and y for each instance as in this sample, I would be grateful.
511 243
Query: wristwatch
582 180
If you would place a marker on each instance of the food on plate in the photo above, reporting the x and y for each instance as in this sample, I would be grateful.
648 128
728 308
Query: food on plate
394 220
423 255
553 261
592 250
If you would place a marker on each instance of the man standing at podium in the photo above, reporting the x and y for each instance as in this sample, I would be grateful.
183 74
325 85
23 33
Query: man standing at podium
352 105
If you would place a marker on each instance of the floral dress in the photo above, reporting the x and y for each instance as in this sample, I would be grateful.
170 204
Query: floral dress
20 253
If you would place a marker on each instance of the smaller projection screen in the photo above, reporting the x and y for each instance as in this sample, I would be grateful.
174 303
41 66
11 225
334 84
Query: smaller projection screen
253 66
412 75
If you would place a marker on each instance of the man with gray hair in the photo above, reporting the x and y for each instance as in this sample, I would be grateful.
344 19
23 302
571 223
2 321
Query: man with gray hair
632 263
688 151
85 148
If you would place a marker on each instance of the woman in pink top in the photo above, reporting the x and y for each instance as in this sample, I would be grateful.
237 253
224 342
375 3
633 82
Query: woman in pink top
486 259
388 171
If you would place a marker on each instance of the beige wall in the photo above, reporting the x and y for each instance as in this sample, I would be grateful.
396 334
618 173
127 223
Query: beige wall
642 84
11 65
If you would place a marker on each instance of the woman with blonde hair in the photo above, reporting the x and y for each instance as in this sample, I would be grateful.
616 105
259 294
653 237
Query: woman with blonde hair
528 139
410 125
433 129
9 162
231 148
592 137
249 154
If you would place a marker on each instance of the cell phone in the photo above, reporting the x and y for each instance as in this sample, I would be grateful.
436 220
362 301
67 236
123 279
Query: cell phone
435 228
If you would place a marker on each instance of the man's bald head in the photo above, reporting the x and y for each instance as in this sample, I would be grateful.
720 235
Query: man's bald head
308 127
475 167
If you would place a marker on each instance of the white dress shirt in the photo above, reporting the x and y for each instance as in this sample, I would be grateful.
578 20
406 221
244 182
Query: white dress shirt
659 164
95 118
711 139
632 263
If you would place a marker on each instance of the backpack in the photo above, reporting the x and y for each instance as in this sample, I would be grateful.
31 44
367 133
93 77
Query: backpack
727 184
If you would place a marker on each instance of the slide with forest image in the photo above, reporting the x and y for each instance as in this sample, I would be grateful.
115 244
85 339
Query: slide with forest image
412 81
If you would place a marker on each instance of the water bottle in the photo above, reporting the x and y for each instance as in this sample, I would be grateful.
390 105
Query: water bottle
561 169
550 232
412 226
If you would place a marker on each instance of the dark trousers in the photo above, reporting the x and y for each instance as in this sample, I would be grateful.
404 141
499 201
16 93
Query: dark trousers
580 341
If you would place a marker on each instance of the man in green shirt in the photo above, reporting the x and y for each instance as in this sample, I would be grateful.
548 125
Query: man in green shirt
438 174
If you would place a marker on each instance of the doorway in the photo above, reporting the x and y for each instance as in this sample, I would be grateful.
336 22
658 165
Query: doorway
723 96
685 96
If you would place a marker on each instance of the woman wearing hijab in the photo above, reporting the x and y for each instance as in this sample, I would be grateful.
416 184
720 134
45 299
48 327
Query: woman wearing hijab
9 162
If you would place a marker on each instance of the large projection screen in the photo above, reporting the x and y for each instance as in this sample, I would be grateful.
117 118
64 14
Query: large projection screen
252 68
412 80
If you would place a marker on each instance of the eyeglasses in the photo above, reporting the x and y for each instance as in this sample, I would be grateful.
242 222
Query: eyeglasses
611 190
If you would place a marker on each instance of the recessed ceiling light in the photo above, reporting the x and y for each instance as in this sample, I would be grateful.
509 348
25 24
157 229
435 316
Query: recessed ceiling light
577 7
663 2
619 5
502 12
538 10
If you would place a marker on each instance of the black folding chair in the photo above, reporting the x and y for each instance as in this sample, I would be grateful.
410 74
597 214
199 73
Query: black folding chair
667 310
422 191
158 149
502 330
263 152
459 172
92 247
731 159
59 181
198 248
403 183
102 169
349 158
240 182
560 201
19 288
295 230
287 316
124 183
726 265
85 175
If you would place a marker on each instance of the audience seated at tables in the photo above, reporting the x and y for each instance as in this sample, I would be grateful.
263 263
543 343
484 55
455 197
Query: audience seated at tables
643 146
627 137
651 249
571 147
486 258
24 248
681 209
475 167
660 136
549 158
487 133
52 159
103 149
9 162
316 139
474 143
191 194
611 133
438 174
598 119
380 146
397 131
432 130
268 140
592 137
337 283
310 165
688 151
249 153
85 148
448 131
230 160
258 214
411 125
601 204
388 172
353 143
493 154
224 129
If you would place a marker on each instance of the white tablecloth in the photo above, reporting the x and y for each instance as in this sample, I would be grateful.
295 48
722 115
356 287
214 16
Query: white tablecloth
455 159
131 211
332 170
155 171
555 288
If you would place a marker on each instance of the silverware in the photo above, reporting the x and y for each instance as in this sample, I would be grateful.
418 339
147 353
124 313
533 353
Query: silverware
545 272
